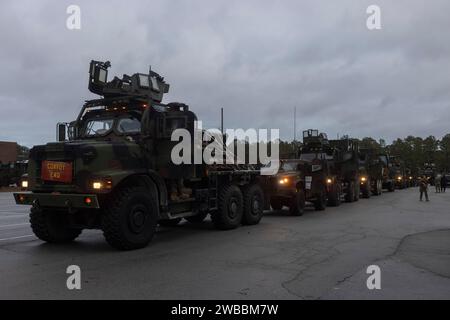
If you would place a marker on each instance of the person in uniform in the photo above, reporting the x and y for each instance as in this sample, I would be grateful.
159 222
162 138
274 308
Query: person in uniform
443 183
423 188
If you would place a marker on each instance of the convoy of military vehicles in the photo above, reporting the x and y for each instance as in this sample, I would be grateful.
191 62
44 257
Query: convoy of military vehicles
111 169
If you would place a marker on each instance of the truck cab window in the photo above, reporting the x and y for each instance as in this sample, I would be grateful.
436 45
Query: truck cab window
128 125
98 127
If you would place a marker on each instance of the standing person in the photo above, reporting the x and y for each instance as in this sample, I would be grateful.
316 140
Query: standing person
423 187
443 183
437 183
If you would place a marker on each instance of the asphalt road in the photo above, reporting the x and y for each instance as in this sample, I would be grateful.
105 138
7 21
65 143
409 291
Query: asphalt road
321 255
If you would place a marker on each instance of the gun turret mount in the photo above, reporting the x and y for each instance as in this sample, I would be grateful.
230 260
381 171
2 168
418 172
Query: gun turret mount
149 86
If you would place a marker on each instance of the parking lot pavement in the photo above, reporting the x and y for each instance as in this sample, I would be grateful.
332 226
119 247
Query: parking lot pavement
317 256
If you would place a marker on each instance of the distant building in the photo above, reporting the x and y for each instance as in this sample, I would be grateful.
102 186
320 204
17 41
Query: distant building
8 152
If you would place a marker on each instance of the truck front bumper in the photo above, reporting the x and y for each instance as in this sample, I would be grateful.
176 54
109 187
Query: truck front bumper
58 200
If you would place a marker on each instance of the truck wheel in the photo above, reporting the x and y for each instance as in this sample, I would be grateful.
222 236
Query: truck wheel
334 196
253 204
52 226
378 188
169 222
366 190
231 208
357 191
391 187
350 196
276 204
129 221
321 201
197 218
297 206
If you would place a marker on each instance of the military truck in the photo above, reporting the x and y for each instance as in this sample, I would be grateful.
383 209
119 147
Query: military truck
399 172
336 162
294 185
347 166
111 169
409 178
429 171
370 172
388 172
11 173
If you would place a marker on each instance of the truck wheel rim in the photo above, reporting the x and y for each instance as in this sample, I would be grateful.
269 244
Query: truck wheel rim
233 208
255 206
137 218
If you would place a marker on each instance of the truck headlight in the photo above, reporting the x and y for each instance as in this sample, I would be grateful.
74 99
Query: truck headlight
24 184
283 181
101 184
97 185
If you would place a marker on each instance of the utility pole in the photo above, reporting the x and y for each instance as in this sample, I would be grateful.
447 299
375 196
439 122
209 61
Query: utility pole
295 124
221 120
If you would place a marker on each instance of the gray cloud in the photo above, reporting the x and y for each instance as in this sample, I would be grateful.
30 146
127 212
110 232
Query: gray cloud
257 59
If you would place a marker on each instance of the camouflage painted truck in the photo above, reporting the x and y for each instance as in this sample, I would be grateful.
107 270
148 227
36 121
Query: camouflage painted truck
371 172
336 163
388 172
114 172
399 172
347 167
294 185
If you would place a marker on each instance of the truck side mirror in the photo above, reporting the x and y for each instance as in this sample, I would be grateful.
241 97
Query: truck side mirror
61 132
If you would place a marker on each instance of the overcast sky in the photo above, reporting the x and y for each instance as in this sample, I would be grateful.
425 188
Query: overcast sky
256 59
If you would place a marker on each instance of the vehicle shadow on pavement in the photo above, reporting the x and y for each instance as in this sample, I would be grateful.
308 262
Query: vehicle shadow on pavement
93 241
285 212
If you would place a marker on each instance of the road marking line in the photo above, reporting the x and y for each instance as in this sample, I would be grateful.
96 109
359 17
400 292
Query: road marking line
13 216
14 225
13 238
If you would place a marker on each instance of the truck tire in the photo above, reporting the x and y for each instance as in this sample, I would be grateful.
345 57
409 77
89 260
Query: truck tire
52 226
297 205
169 222
130 219
253 204
198 218
334 196
391 187
357 191
276 204
378 188
366 190
350 195
231 208
321 202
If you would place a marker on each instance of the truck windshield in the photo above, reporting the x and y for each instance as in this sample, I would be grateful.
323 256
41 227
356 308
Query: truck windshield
309 156
289 166
98 127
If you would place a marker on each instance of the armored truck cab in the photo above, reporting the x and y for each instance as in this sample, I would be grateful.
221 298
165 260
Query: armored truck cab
371 172
347 167
388 172
317 149
399 172
294 185
112 170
